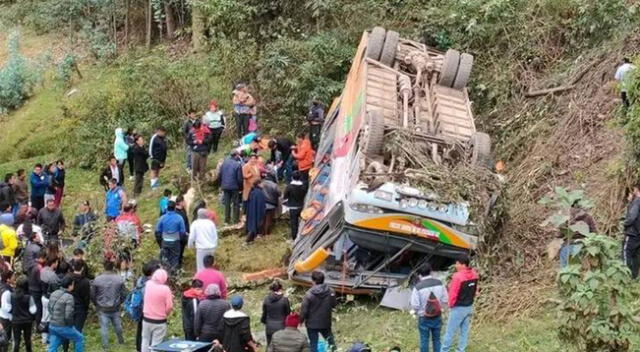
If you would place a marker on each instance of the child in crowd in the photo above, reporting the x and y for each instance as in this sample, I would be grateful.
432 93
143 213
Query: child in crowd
164 201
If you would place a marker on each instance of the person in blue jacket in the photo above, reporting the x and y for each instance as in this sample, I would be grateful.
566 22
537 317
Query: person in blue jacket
114 200
120 147
170 229
39 184
230 178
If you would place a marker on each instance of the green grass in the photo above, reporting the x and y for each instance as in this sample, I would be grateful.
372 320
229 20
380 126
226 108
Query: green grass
37 132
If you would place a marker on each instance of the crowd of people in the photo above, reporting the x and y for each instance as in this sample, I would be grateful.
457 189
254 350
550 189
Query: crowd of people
41 289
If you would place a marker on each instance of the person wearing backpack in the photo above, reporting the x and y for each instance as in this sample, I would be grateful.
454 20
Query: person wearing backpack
462 292
427 299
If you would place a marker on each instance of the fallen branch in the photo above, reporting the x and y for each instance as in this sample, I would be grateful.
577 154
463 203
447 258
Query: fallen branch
536 93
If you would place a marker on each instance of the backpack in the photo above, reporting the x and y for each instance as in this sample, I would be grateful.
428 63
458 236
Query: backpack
133 303
432 309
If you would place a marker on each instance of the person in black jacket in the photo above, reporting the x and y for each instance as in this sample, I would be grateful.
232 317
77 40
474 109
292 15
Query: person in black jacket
130 139
111 171
140 166
317 307
283 146
631 245
190 300
81 294
158 155
186 129
208 321
275 309
23 310
315 118
293 196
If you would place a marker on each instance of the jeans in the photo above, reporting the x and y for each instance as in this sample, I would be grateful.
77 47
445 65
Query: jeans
188 156
228 198
170 253
284 172
57 334
326 334
429 327
294 221
200 254
152 334
567 251
114 319
459 318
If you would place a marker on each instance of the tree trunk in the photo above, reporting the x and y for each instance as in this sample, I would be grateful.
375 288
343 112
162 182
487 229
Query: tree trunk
170 19
197 28
149 23
127 9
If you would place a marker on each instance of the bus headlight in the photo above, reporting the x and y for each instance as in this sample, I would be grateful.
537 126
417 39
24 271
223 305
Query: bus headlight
422 204
366 208
413 202
383 195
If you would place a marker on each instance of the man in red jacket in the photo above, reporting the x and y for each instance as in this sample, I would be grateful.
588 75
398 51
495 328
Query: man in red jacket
462 292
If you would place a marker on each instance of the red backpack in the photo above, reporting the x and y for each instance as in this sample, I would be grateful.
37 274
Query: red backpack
432 309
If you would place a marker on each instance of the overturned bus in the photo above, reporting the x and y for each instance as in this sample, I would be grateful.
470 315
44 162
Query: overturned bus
370 219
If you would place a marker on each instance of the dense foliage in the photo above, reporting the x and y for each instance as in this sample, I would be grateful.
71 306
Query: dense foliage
18 77
596 307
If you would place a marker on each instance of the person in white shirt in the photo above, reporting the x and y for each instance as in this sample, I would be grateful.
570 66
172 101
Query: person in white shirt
204 236
622 76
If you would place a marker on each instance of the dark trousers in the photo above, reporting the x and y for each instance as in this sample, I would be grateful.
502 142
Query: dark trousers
231 200
242 124
170 253
79 317
215 138
313 338
139 336
22 330
268 221
625 99
37 202
183 245
6 325
630 248
199 165
37 298
314 135
137 185
130 161
304 176
294 221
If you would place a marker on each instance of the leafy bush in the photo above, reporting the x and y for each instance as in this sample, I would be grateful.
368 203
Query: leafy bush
17 78
596 305
141 93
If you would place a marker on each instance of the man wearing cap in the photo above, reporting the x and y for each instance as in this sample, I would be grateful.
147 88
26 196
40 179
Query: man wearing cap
169 229
290 339
203 236
214 119
230 177
236 336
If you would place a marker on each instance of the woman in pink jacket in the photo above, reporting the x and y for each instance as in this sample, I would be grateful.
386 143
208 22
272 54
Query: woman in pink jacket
158 303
